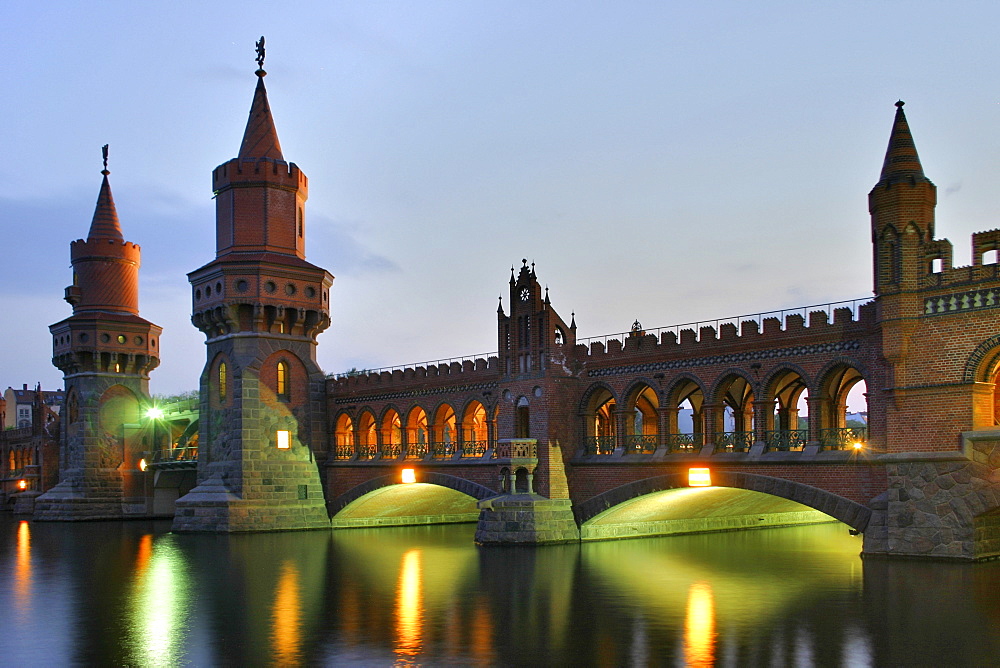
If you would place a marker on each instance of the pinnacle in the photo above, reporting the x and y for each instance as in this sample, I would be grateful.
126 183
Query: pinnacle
901 159
260 140
105 223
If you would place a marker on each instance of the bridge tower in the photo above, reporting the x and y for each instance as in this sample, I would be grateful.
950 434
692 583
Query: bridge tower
261 307
536 386
105 351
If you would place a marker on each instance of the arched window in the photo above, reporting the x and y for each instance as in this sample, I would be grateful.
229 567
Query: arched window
281 386
223 388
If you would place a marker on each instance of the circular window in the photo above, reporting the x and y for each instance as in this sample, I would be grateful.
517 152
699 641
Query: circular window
138 340
208 290
538 391
197 294
218 287
270 286
152 342
84 337
324 295
290 289
242 286
121 338
105 338
310 292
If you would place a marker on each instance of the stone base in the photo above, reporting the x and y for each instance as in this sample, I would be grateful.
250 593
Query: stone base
81 499
525 519
211 507
24 503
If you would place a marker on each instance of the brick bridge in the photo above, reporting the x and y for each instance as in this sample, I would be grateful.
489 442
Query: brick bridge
552 438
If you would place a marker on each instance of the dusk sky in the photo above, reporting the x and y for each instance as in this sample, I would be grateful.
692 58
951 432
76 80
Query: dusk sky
662 161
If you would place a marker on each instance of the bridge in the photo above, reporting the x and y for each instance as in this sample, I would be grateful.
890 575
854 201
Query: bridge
731 424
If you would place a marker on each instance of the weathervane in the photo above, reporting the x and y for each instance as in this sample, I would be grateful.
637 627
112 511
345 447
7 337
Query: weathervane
104 151
260 56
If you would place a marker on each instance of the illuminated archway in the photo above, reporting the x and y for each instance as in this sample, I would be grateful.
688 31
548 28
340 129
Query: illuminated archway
642 429
444 432
475 430
367 436
600 421
392 434
416 433
734 425
786 427
343 437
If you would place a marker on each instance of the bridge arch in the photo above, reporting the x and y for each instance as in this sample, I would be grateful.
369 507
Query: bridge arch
849 512
475 490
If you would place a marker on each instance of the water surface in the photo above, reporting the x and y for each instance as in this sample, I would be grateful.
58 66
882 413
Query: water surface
131 593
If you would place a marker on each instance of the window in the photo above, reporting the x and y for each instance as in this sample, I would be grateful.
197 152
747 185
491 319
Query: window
284 438
282 382
222 381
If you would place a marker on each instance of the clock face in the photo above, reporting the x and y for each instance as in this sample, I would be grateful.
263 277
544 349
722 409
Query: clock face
525 294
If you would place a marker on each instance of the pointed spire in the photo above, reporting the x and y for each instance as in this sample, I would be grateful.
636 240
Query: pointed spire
572 320
901 160
260 139
500 306
547 302
105 223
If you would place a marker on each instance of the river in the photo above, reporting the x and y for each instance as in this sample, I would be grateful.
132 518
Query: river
133 594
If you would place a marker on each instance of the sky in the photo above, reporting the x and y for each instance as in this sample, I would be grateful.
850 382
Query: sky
669 162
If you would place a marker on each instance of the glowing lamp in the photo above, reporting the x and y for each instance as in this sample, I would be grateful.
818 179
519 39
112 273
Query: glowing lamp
284 439
142 464
22 485
409 475
858 445
154 413
699 478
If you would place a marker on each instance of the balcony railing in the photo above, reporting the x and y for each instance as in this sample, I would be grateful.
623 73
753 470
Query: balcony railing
442 450
599 445
416 450
187 453
391 450
640 444
685 442
734 441
842 438
343 451
786 439
474 448
367 451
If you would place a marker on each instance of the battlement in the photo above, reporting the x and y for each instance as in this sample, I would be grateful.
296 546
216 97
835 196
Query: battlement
267 171
470 368
111 249
941 272
702 338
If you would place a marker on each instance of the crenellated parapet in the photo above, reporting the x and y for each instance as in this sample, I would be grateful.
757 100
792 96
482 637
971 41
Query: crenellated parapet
406 376
764 332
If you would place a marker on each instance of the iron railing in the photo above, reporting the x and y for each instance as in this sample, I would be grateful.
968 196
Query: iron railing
442 450
599 445
416 450
842 438
734 441
186 453
786 439
391 450
639 444
685 442
474 448
343 451
367 451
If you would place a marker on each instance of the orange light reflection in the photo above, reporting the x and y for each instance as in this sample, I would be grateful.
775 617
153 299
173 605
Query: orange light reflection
22 568
699 626
409 606
143 553
286 618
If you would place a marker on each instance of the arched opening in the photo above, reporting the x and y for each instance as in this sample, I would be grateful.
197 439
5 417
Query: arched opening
601 431
843 409
445 434
522 481
686 422
282 388
475 430
788 423
392 435
343 437
734 428
642 428
367 436
522 419
416 433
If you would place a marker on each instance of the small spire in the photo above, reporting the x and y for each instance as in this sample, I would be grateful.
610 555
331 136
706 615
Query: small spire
572 320
500 306
105 222
547 295
901 159
260 139
512 274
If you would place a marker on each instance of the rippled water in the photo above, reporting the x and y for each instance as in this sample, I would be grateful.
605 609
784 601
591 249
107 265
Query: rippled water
134 594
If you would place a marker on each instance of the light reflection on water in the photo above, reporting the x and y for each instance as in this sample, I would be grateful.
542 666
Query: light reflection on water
133 594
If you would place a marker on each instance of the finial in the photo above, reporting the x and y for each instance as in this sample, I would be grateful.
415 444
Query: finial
524 262
260 57
104 151
899 104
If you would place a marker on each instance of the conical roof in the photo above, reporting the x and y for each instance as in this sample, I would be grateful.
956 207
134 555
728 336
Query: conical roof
105 223
260 140
901 159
